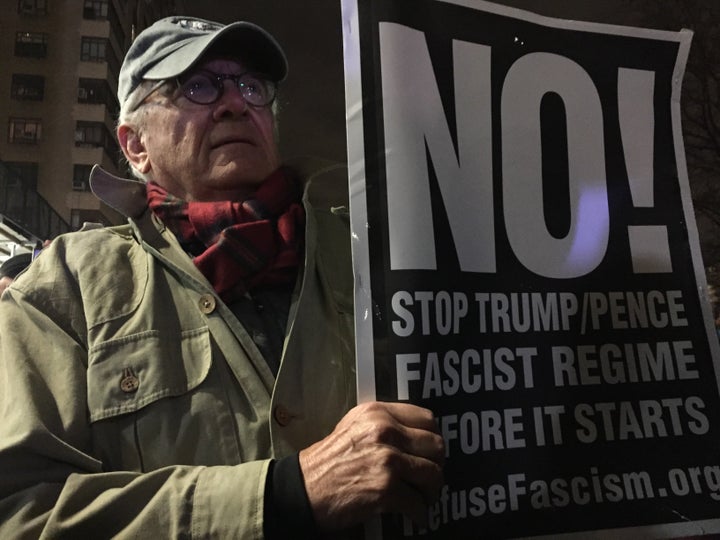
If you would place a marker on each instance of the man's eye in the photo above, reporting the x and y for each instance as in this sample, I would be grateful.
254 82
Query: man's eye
254 86
197 84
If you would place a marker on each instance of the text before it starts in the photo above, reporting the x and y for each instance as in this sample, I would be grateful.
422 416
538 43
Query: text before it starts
488 430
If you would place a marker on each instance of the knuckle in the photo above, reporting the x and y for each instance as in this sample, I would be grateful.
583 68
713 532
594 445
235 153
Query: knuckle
388 459
371 406
382 433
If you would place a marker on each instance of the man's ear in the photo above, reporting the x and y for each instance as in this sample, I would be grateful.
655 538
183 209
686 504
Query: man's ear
133 148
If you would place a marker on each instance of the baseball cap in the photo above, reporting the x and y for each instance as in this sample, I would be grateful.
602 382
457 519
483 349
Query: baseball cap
170 46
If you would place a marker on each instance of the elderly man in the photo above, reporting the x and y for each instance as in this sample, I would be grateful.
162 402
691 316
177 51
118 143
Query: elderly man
190 374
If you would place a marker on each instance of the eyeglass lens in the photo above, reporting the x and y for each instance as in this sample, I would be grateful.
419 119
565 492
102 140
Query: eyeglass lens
205 87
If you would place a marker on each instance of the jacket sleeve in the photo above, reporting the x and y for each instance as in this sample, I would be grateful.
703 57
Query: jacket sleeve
51 484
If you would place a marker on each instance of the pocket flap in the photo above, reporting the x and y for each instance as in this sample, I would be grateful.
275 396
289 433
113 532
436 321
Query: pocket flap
128 373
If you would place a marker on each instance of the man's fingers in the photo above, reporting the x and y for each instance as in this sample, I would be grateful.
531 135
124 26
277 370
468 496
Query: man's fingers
412 416
420 489
423 475
407 427
381 457
424 444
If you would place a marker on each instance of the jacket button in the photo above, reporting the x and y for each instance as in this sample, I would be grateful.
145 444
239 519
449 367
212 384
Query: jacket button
129 382
282 415
207 303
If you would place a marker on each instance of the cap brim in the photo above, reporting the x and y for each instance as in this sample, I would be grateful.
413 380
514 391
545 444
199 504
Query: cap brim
250 42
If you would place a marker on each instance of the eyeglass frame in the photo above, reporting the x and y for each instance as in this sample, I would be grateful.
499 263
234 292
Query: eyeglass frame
220 78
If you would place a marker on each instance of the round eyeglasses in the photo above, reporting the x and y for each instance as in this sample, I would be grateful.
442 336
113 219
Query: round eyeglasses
205 87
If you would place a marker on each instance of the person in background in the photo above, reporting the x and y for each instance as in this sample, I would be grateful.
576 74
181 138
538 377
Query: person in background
191 373
12 267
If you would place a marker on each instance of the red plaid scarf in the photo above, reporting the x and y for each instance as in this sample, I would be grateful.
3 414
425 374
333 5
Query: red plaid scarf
239 245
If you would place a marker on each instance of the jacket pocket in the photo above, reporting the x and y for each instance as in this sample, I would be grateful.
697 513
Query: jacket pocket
128 373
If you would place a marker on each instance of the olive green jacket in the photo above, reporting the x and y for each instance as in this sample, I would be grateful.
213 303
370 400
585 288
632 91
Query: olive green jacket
134 403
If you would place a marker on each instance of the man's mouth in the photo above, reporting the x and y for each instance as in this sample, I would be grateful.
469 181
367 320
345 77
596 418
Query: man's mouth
232 140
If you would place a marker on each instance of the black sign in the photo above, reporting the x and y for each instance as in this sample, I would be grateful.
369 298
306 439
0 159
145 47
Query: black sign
528 267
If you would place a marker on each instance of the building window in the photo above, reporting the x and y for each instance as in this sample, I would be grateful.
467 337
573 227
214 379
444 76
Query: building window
93 49
97 91
25 130
93 91
95 9
32 7
26 170
96 135
81 177
32 44
92 134
30 87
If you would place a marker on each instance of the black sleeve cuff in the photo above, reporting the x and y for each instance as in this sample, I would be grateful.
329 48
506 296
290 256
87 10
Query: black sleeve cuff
287 511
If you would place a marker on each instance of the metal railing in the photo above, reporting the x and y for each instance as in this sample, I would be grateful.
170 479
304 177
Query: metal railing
27 208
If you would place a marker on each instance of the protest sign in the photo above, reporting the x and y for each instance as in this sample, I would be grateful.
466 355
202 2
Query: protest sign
527 266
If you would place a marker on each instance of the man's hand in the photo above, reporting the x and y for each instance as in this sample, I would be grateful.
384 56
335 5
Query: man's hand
381 457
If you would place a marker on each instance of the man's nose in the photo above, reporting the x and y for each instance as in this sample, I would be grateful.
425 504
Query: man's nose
231 102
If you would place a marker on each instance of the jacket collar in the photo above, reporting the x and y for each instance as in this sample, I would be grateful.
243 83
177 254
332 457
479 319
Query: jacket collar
122 194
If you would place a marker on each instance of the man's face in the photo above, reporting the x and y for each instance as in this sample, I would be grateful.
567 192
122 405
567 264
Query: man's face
221 151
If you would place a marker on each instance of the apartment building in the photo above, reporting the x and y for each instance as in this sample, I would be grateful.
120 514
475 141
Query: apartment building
59 64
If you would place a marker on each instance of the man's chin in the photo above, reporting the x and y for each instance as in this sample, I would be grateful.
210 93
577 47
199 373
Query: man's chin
230 187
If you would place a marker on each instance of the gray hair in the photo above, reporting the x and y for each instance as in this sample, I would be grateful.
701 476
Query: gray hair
133 111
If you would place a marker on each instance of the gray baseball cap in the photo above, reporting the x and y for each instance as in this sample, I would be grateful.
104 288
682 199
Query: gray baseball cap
170 46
